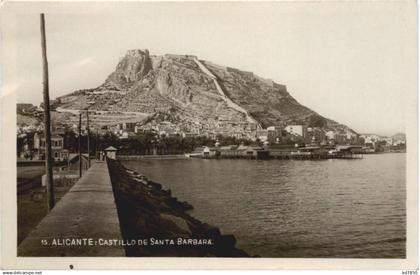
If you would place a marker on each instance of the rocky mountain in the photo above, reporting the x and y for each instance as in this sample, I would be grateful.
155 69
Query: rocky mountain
195 95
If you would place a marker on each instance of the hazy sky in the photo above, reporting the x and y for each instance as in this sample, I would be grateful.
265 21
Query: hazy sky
346 62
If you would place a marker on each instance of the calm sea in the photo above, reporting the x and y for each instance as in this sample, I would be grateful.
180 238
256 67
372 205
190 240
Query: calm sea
286 208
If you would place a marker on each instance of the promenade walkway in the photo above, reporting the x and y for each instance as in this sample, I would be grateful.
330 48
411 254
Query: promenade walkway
80 222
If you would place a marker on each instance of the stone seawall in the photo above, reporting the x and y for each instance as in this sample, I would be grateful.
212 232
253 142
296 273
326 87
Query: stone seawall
137 157
157 223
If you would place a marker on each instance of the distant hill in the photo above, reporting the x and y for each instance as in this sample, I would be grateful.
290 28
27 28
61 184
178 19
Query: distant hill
399 136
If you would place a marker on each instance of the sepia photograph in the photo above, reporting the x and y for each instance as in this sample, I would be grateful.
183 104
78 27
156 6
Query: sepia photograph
213 130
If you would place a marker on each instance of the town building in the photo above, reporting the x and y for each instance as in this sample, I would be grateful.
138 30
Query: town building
57 147
127 126
262 134
189 135
298 130
251 127
315 135
274 134
330 135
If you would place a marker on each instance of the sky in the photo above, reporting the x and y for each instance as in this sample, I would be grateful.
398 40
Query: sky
346 62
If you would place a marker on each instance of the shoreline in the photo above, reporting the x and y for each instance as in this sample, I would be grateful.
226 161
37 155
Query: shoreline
158 223
185 157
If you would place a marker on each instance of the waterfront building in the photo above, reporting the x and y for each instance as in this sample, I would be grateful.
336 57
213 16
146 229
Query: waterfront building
350 151
209 152
253 152
281 150
309 150
230 151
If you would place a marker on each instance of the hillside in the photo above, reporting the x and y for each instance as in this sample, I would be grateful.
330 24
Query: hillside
26 120
195 95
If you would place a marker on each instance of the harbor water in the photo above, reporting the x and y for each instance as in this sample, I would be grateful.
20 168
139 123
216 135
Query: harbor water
293 208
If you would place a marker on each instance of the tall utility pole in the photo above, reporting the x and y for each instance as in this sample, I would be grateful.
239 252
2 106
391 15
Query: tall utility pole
96 144
47 122
88 137
80 144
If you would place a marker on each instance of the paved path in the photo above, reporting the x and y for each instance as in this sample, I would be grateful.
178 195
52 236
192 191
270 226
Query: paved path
87 211
228 101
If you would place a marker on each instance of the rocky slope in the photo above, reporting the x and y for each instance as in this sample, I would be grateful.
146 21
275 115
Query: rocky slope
204 99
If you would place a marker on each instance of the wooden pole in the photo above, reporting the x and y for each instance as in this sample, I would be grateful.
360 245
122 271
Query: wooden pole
47 121
97 143
80 144
88 137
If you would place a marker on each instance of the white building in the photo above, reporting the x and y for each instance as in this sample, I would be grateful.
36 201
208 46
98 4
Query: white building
295 130
330 135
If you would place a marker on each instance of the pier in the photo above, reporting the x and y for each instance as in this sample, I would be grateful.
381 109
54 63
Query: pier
86 214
